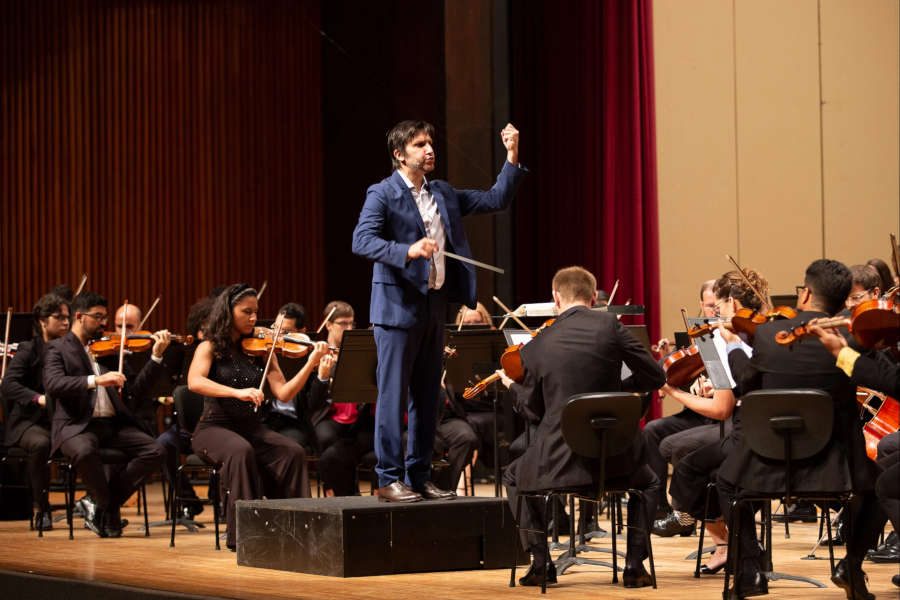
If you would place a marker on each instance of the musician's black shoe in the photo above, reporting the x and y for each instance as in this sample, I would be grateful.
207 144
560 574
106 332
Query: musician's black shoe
534 574
896 580
837 538
397 492
841 578
43 520
888 552
191 510
670 526
112 523
84 508
805 512
636 578
96 522
430 491
751 583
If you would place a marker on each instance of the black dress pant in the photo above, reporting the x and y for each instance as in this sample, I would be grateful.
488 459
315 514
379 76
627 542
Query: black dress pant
657 430
690 479
458 439
143 452
642 479
888 485
36 442
251 456
342 446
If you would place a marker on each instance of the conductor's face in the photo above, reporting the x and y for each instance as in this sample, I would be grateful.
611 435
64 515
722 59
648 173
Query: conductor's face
419 153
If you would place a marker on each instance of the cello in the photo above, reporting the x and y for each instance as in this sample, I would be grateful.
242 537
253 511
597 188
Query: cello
884 418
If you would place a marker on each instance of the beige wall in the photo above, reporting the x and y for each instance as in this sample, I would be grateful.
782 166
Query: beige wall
777 138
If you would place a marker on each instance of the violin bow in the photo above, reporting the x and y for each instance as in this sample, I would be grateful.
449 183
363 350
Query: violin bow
765 300
512 315
895 255
81 285
122 337
147 316
326 319
9 312
262 382
462 318
262 289
612 294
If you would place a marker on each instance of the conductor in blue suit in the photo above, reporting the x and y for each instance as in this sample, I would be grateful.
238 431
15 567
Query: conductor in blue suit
405 225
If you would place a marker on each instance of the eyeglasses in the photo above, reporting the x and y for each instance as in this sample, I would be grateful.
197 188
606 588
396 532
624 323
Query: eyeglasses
98 316
60 316
345 324
859 296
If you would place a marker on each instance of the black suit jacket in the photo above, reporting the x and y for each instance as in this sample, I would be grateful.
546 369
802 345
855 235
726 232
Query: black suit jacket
806 364
22 382
581 352
66 369
875 372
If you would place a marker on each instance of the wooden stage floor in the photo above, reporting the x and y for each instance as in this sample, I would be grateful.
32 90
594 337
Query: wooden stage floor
193 566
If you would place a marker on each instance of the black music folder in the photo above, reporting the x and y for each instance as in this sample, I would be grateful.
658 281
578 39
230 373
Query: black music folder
353 380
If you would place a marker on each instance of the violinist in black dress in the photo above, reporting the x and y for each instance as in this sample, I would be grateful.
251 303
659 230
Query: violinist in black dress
255 460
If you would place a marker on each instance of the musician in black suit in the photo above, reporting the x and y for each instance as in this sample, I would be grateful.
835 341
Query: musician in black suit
582 351
803 365
89 413
28 424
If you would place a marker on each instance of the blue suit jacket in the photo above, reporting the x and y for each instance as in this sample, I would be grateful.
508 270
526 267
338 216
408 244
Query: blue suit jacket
390 223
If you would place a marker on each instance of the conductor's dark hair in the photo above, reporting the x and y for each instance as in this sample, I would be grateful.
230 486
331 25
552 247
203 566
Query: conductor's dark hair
829 281
401 134
85 300
44 307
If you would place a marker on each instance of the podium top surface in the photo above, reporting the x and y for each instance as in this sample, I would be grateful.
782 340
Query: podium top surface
364 504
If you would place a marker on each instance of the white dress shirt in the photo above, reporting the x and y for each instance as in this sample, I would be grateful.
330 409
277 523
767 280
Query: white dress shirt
434 228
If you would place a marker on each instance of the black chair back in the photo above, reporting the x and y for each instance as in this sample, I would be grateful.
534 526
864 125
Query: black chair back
188 407
601 424
771 418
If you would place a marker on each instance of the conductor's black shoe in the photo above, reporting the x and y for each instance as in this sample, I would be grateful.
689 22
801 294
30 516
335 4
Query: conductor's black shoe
397 492
885 553
805 512
671 526
636 578
430 491
534 574
96 522
841 578
752 584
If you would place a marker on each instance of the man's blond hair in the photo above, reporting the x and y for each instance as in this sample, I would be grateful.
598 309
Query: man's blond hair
575 284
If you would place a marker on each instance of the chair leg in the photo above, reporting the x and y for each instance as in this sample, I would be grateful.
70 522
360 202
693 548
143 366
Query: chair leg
615 514
146 516
70 498
702 532
516 520
733 544
548 560
216 501
826 512
848 528
173 502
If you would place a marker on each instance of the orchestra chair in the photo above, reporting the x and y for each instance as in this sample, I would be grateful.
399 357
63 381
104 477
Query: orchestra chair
600 426
9 456
108 456
783 425
187 409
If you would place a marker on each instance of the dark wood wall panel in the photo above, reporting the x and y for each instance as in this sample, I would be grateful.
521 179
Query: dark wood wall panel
162 147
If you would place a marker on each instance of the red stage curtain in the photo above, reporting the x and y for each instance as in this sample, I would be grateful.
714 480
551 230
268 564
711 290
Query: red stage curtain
582 95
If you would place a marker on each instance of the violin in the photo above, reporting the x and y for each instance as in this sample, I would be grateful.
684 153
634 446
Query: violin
289 345
9 349
510 362
874 324
683 366
139 341
745 321
884 420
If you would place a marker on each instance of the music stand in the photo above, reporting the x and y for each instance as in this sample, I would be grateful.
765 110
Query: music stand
354 380
19 327
479 353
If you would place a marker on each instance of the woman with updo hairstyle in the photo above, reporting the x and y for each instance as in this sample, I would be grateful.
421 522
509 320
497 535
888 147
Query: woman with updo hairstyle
231 429
733 293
